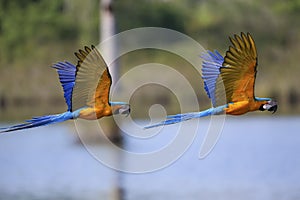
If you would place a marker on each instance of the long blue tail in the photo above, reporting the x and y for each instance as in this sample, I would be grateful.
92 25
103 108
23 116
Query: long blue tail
39 121
173 119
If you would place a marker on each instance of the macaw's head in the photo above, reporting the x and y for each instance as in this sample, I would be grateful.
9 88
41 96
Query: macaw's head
120 108
271 106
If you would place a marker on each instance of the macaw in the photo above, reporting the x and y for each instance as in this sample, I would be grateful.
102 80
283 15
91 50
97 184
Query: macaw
86 89
236 72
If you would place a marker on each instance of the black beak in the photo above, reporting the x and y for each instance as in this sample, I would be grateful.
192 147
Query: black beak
273 108
127 112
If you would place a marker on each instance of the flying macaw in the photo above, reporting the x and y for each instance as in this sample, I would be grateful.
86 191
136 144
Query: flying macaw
237 73
86 90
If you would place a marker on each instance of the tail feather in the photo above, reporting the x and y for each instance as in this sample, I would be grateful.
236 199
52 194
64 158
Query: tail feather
39 121
173 119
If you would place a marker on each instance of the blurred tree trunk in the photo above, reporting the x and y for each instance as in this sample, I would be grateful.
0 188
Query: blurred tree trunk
107 30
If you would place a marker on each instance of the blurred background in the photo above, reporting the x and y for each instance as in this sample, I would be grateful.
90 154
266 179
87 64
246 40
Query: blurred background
50 163
36 34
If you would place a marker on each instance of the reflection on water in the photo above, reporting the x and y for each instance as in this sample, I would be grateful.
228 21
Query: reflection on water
255 158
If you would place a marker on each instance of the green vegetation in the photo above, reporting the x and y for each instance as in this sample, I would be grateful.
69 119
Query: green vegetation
36 33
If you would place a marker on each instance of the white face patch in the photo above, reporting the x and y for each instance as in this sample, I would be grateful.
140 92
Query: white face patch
267 106
125 109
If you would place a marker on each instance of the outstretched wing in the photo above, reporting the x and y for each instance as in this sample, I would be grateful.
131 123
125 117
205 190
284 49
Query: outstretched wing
93 81
212 62
239 68
66 72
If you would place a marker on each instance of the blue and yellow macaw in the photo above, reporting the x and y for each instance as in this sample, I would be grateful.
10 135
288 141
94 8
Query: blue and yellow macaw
86 90
236 72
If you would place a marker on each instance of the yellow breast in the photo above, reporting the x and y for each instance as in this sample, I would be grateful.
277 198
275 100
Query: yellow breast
238 108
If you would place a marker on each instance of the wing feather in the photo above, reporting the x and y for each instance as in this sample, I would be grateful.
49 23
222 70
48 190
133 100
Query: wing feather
238 71
103 88
212 62
66 72
93 80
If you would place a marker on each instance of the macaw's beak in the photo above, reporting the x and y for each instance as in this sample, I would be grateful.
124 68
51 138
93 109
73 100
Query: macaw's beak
126 112
269 106
273 106
120 108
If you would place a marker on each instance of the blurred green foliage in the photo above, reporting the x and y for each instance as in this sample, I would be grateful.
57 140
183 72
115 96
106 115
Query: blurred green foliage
132 14
36 33
26 27
274 25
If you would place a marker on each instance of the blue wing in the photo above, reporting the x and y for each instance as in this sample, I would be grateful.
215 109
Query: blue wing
67 75
212 62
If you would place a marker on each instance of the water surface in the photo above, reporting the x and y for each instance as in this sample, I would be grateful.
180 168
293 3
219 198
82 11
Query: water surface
255 158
